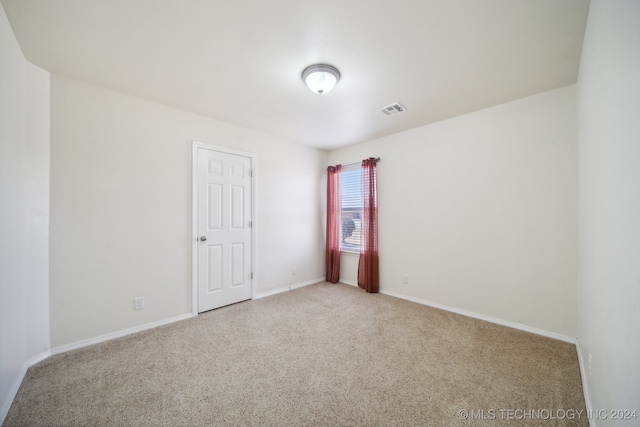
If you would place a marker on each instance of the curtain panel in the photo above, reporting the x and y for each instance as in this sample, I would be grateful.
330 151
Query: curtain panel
334 220
368 273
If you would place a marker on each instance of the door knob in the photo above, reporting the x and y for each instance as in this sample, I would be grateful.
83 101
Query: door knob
203 238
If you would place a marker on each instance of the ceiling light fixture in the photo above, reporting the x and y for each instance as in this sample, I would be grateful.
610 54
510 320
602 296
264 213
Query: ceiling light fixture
320 78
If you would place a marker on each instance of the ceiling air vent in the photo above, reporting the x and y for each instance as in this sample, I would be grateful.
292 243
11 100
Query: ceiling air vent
394 108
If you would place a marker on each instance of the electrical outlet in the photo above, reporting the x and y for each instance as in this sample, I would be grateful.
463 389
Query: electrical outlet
294 271
138 303
405 279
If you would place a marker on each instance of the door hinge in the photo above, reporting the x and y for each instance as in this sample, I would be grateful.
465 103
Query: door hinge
250 172
252 275
250 224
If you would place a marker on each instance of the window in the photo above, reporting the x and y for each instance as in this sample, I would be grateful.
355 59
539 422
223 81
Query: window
351 188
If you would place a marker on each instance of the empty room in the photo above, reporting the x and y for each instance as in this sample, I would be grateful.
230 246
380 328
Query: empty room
290 213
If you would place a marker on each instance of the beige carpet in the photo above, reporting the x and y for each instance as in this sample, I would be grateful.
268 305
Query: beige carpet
322 355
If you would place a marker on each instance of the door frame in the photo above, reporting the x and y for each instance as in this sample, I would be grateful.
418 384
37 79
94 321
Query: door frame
194 216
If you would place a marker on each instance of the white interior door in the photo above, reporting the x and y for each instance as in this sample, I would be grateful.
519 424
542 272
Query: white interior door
224 228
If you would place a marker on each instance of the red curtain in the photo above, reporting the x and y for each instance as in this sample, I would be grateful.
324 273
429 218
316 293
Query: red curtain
334 220
368 276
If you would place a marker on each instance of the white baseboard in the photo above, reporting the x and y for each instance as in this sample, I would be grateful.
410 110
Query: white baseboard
484 317
61 349
6 405
38 359
288 288
585 385
68 347
113 335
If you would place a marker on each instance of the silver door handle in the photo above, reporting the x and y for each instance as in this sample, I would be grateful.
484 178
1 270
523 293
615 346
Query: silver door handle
203 238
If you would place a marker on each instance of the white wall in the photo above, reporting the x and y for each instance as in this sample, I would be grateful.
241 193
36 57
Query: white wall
24 214
36 170
480 211
609 205
121 209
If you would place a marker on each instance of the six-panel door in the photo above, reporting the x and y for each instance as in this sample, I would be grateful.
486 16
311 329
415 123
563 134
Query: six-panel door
224 229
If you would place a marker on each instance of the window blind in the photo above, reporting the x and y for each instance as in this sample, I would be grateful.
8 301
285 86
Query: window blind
351 187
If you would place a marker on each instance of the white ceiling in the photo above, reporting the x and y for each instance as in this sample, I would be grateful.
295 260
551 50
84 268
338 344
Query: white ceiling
240 60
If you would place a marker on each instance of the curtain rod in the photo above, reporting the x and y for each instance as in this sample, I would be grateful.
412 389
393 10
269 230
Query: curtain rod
377 159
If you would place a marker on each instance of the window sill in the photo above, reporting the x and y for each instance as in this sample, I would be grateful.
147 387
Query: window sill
349 253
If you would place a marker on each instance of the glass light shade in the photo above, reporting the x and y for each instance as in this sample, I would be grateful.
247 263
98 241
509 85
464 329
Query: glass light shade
320 78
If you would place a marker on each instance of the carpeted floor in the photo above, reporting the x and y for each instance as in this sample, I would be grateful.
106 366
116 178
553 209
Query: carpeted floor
322 355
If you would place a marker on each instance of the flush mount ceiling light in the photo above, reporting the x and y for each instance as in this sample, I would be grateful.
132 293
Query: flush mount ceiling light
320 78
